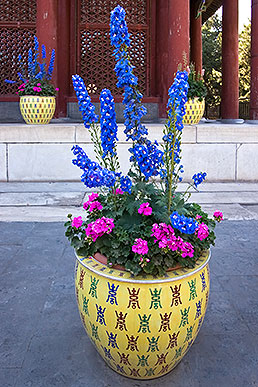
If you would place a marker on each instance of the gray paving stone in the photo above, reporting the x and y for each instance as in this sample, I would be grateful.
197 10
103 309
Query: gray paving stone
42 340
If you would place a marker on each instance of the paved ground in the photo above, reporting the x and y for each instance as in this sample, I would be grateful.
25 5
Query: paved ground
51 202
42 340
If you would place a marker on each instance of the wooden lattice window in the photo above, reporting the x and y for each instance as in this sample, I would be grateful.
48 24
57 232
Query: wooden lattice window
95 62
17 29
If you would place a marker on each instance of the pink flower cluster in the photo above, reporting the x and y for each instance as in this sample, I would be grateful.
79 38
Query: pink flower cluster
38 89
77 222
145 209
218 216
140 246
166 237
100 227
92 203
119 191
202 231
21 87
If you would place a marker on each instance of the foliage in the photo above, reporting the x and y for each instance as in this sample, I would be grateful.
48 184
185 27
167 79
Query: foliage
244 63
197 86
212 58
130 220
37 76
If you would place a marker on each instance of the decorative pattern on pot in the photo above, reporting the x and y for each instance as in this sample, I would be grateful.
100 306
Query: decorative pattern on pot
142 326
194 111
37 110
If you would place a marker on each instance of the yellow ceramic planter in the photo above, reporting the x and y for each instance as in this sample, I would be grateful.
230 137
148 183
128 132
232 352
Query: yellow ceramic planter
194 111
37 110
142 326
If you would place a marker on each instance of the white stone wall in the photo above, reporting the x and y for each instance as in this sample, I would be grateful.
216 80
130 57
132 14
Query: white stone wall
43 152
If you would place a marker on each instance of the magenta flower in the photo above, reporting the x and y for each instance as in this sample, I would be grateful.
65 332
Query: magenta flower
35 88
140 247
57 89
187 250
100 227
93 196
95 206
38 84
145 209
198 217
202 231
77 222
119 191
218 216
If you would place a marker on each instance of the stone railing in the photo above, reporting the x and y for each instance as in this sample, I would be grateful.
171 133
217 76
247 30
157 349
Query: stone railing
42 152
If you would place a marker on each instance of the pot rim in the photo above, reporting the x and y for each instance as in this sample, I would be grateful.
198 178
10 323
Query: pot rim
38 96
92 264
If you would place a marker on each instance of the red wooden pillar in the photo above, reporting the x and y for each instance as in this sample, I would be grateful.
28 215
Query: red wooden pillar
230 74
254 62
195 39
47 29
63 56
172 41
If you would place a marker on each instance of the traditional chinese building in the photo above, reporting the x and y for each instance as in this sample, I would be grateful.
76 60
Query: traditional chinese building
161 31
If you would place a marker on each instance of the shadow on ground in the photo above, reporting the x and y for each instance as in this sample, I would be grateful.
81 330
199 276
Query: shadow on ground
43 342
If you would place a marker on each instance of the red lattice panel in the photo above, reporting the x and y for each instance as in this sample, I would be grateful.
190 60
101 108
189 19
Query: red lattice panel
98 11
97 64
13 41
17 29
18 10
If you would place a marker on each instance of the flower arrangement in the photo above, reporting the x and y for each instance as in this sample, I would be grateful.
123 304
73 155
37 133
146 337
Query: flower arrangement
196 83
36 78
138 220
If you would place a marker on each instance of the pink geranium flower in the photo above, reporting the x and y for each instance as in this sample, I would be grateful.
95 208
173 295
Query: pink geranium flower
92 197
218 216
77 222
145 209
202 231
100 227
140 246
119 191
95 206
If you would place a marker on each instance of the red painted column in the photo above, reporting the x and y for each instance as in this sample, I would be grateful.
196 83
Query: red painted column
230 73
195 39
47 30
254 62
63 56
173 25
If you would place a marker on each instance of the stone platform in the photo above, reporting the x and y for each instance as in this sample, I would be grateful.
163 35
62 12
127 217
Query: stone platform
43 152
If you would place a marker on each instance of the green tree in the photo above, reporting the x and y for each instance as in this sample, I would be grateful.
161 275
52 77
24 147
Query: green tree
244 63
212 59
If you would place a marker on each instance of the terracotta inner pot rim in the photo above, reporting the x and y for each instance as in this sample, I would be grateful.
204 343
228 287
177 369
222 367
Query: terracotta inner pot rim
145 281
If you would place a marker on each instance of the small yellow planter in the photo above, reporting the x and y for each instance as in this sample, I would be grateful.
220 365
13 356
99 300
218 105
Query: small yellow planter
37 110
142 326
194 111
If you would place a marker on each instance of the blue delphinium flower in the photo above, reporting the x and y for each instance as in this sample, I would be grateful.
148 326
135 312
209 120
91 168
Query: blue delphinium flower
84 101
93 174
126 184
148 157
134 110
108 123
183 224
43 51
199 178
30 63
177 98
118 28
51 65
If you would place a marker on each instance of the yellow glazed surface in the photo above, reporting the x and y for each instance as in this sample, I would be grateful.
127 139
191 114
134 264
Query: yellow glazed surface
194 111
143 326
37 110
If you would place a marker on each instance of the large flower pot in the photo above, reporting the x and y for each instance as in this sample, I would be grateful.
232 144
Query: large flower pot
194 111
142 326
37 110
